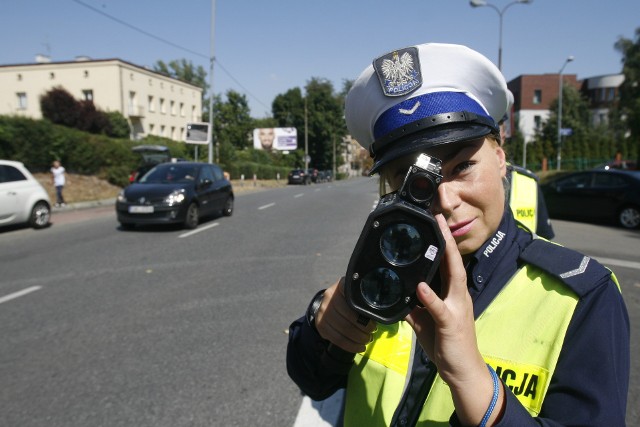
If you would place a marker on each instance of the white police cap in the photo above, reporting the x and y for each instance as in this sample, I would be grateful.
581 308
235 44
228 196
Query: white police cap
422 96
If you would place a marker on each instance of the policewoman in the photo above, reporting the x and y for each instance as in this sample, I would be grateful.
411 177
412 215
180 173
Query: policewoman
514 330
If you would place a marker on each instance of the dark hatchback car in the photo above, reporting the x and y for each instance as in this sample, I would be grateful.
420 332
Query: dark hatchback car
597 195
175 193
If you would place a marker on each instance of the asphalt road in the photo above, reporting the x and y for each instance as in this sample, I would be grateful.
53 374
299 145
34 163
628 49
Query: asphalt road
164 327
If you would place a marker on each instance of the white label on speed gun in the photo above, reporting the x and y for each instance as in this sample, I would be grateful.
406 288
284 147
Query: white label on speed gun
432 251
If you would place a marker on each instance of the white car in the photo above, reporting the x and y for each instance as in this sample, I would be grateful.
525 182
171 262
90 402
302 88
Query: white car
22 198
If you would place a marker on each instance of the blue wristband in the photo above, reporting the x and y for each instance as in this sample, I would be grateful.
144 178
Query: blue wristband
494 399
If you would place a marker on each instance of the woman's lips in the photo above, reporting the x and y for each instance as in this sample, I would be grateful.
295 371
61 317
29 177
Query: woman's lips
461 228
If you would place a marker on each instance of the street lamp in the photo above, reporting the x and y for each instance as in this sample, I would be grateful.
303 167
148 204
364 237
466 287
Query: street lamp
569 59
481 3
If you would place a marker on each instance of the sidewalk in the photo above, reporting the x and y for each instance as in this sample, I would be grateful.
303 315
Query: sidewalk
83 205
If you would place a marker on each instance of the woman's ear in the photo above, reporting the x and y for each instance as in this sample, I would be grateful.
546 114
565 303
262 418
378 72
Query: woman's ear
502 161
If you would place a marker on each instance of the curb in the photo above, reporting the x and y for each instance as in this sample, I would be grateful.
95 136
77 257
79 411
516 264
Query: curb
83 205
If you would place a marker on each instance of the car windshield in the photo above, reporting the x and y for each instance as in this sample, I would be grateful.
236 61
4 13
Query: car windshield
170 173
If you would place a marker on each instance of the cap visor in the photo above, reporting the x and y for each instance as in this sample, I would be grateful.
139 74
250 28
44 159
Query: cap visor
421 141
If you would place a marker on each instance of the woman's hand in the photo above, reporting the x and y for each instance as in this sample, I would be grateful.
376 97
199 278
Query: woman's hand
445 329
338 323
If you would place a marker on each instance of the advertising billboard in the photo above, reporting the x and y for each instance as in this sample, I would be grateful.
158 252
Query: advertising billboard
282 139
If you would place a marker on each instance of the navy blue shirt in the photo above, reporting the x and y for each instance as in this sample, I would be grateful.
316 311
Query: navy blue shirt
590 383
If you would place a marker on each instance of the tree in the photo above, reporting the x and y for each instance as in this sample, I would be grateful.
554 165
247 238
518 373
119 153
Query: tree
576 148
232 122
630 88
325 122
60 107
184 70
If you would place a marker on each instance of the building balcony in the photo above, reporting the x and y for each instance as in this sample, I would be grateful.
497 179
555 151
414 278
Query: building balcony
135 111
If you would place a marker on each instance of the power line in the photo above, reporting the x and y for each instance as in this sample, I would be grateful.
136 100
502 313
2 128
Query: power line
160 39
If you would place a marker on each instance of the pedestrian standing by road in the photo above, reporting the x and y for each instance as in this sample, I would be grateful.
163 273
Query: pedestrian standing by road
58 179
514 330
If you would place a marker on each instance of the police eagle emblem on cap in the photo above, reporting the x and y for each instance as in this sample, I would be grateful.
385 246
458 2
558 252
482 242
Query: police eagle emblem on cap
399 71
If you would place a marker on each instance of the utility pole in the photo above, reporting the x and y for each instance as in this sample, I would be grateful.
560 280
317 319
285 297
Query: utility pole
306 137
211 60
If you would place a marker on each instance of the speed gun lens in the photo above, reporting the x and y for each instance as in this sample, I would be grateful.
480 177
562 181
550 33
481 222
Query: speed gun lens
382 288
421 188
401 244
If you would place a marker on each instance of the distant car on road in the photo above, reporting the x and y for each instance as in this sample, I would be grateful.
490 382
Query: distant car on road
597 195
181 192
298 176
22 199
313 173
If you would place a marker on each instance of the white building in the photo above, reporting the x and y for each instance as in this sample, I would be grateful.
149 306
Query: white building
153 104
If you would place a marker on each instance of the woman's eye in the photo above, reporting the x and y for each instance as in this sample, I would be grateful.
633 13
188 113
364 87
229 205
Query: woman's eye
461 167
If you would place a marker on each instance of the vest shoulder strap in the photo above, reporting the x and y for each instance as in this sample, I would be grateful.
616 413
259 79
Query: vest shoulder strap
579 272
522 171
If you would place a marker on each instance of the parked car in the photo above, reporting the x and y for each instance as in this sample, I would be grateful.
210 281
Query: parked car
22 199
619 164
597 195
298 176
150 155
181 192
313 173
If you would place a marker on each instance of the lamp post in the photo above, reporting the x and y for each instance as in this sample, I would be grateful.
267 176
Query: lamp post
569 59
481 3
211 60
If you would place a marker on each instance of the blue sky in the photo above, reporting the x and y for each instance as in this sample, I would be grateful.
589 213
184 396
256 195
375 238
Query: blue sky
265 48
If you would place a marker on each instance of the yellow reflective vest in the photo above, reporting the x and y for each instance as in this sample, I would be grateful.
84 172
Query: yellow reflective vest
520 335
523 197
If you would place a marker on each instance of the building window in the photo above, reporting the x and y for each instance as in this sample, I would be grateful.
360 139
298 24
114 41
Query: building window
612 94
537 96
537 120
19 77
22 100
86 74
162 106
162 130
173 132
193 113
173 108
52 75
151 106
151 126
87 94
182 109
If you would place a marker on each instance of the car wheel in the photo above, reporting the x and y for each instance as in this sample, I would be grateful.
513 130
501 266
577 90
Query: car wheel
192 218
40 215
629 217
228 207
127 226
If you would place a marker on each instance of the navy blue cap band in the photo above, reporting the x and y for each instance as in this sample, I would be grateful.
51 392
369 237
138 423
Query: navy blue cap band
420 107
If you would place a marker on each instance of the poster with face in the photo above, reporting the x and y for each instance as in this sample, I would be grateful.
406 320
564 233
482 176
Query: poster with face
282 139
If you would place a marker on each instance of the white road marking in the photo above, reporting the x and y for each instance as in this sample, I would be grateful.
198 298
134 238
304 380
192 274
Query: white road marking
320 414
19 294
298 195
266 206
199 229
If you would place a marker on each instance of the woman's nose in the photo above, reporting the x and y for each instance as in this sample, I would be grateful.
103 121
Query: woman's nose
446 200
